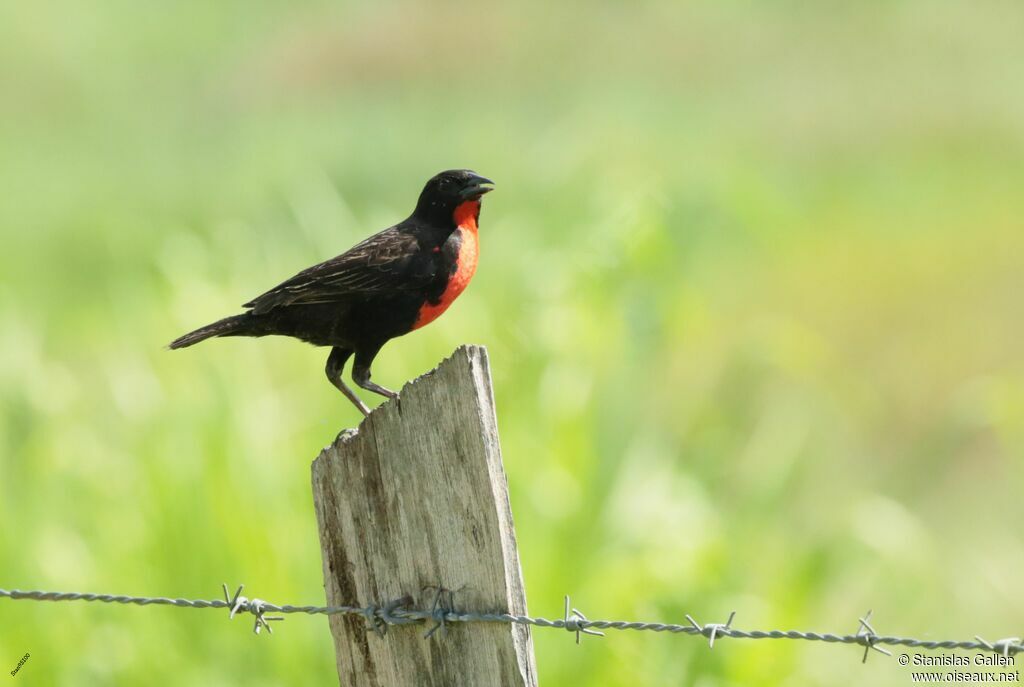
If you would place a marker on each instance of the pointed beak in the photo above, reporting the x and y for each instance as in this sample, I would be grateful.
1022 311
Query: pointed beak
476 187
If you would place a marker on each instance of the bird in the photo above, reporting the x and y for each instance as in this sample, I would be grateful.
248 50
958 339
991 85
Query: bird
394 282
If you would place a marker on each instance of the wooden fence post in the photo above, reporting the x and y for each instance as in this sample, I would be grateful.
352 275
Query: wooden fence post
418 498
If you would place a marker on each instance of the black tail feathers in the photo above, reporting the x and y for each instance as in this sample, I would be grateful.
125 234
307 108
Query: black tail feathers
230 326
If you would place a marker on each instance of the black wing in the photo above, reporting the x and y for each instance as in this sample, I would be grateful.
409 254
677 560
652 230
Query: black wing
385 262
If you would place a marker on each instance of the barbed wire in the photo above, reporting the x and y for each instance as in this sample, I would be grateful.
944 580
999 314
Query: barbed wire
400 612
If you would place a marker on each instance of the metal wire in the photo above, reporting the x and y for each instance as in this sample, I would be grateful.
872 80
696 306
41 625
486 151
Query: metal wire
398 612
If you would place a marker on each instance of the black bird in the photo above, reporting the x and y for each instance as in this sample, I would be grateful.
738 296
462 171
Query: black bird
390 284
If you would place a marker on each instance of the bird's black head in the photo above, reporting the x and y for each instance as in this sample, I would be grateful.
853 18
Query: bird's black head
447 191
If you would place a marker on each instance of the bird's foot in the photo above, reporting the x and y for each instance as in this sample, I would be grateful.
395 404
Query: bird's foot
383 391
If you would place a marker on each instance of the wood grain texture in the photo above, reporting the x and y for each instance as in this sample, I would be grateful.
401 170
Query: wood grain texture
418 497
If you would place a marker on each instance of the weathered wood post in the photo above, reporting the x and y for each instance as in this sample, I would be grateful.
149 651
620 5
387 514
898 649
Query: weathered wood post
418 498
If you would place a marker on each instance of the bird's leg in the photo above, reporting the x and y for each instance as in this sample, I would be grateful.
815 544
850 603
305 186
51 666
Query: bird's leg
335 364
361 373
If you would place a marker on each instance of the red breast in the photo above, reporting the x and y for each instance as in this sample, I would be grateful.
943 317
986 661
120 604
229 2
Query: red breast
465 263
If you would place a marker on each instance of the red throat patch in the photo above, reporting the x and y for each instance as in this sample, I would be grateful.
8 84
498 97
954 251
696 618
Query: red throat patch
465 266
466 213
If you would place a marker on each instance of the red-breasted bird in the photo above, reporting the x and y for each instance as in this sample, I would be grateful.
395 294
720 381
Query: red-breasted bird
390 284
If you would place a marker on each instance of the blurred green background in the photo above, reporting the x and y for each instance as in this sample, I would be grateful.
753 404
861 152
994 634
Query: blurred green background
751 284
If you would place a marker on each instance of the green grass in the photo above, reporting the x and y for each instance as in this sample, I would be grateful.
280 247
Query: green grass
751 284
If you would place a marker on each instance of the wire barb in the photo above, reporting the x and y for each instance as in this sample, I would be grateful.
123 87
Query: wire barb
257 607
440 610
713 630
575 621
1007 647
868 637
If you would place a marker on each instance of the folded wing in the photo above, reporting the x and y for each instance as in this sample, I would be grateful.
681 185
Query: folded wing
385 262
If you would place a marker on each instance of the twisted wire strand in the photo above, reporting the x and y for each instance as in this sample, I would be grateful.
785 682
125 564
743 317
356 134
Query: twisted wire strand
393 614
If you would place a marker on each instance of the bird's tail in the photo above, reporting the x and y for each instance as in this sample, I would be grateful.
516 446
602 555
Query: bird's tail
229 326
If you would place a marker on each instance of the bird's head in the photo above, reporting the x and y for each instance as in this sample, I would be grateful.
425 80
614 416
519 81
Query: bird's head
448 191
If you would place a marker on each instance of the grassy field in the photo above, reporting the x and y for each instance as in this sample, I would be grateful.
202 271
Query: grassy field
751 282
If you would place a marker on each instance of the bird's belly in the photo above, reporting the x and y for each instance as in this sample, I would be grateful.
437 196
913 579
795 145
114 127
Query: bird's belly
465 268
